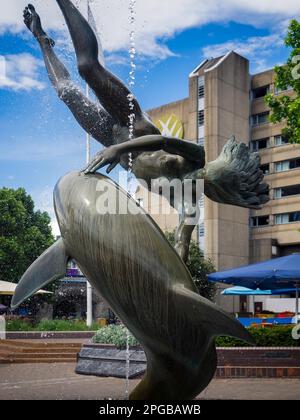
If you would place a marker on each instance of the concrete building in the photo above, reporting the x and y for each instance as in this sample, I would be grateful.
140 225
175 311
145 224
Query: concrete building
225 100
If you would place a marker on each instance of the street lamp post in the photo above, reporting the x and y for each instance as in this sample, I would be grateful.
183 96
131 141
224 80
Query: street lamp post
89 290
297 303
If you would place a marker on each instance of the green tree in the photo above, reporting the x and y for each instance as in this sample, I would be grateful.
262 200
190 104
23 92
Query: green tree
199 267
286 108
24 233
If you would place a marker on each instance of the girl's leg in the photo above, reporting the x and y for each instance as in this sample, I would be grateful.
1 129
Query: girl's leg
111 92
92 117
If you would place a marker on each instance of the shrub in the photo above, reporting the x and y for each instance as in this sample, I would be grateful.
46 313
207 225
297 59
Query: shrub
18 325
199 268
114 334
277 336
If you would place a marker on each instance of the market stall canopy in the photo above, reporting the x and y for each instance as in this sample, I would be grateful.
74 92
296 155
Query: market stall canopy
8 289
272 274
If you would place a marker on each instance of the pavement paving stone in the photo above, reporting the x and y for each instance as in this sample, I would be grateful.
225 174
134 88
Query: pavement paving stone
51 381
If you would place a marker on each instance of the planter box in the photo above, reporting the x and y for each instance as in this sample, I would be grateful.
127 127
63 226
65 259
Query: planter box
233 362
109 361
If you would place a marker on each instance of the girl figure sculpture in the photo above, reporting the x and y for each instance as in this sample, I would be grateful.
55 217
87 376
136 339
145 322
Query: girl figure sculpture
234 178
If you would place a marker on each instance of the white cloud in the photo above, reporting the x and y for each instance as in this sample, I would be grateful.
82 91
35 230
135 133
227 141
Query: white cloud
247 47
257 49
20 72
43 199
156 20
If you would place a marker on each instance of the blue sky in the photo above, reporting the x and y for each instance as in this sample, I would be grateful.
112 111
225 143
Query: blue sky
40 140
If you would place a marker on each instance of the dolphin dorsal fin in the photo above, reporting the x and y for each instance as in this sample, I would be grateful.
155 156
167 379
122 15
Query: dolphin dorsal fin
50 266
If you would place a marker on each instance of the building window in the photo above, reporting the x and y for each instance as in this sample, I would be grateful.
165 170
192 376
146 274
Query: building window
261 118
265 168
294 163
201 91
282 166
201 230
259 221
287 191
260 144
202 201
280 140
260 92
281 219
287 164
201 88
287 218
201 118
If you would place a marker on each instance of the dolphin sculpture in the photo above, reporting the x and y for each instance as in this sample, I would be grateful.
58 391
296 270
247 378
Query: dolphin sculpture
128 260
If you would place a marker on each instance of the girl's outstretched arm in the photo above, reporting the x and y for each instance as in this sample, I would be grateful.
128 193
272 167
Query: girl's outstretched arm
111 156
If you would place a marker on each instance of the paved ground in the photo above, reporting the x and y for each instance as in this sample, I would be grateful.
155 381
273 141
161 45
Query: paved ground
59 382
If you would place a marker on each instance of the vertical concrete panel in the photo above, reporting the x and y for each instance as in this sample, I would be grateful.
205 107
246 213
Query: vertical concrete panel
226 114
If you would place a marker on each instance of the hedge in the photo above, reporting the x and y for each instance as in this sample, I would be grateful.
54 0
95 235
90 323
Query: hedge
49 325
277 336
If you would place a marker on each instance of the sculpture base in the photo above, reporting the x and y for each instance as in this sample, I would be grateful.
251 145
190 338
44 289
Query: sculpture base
110 362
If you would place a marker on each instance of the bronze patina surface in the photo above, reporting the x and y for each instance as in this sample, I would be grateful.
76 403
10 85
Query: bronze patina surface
126 256
128 260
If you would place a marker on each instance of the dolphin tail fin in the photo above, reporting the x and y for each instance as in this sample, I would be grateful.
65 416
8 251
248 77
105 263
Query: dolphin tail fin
211 317
50 266
189 356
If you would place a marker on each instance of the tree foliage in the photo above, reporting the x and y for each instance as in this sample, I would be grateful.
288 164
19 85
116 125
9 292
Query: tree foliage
24 233
284 107
199 267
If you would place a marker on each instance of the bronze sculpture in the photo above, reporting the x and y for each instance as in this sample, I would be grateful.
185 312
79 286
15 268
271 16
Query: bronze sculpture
126 257
128 260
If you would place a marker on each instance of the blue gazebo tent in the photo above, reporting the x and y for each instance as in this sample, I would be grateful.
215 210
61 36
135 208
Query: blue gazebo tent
274 274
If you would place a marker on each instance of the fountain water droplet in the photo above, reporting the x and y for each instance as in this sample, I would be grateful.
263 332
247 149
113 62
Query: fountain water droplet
130 97
131 118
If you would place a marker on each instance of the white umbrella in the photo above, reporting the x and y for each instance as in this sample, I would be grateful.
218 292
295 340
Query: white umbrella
8 289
